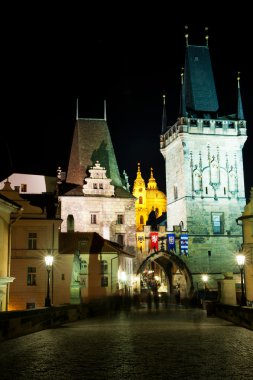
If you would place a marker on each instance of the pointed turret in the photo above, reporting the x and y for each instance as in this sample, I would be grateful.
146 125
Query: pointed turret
164 118
240 113
152 182
182 111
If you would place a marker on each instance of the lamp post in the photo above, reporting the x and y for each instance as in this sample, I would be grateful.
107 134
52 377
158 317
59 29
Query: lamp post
241 261
205 279
49 262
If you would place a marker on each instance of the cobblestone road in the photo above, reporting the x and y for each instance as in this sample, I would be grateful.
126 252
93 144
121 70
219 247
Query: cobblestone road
165 344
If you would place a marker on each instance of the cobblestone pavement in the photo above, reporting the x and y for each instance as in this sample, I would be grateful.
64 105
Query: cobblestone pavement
165 344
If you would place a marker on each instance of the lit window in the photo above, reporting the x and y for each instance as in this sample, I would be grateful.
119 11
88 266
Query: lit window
217 223
31 276
140 200
32 240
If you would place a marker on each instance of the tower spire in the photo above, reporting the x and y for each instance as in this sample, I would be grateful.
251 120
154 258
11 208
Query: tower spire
206 36
182 110
186 35
240 113
164 117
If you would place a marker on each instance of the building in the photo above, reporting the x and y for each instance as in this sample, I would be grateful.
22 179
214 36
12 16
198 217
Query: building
148 198
34 235
204 173
246 220
97 201
9 212
90 267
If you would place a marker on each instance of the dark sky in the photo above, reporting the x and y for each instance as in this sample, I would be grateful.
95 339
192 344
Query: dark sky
127 57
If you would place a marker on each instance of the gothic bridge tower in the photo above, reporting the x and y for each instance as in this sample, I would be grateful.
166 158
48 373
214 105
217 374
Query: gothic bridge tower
204 170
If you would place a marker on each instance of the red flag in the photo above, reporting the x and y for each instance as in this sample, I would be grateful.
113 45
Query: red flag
154 240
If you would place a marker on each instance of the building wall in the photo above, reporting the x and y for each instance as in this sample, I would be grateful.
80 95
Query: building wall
106 210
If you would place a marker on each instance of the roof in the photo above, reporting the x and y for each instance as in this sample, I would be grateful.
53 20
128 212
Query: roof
92 243
77 191
200 91
91 143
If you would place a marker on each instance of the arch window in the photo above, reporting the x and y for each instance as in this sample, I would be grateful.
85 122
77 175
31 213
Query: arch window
70 223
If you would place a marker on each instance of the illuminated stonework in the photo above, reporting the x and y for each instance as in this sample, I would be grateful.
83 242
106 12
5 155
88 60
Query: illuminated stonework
147 199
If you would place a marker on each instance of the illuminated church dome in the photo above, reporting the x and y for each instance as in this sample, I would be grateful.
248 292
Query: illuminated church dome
148 198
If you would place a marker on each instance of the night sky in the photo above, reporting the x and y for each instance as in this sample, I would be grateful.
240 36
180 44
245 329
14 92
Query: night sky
128 58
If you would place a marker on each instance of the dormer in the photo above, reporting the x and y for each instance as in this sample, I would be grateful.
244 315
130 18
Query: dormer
98 183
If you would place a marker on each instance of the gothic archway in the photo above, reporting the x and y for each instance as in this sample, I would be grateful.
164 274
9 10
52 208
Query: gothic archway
173 267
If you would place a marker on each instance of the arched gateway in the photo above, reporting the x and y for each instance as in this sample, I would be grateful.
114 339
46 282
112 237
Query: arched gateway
173 271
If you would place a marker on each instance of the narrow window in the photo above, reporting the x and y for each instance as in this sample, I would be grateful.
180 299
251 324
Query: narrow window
140 200
31 276
104 267
225 192
206 190
218 223
175 192
141 219
70 223
32 240
84 267
93 219
120 219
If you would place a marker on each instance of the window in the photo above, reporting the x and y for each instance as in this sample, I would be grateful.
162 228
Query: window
32 240
140 200
93 218
120 239
141 219
23 188
95 186
120 219
104 266
218 223
70 223
84 267
104 281
31 276
175 192
101 186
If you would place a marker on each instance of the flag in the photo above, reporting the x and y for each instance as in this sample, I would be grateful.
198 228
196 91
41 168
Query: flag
171 242
184 244
154 240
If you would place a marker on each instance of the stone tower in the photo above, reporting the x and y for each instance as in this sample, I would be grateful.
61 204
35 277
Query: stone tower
204 170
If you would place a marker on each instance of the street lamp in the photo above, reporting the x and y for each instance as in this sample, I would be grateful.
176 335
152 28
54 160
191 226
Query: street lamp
241 261
49 262
205 279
